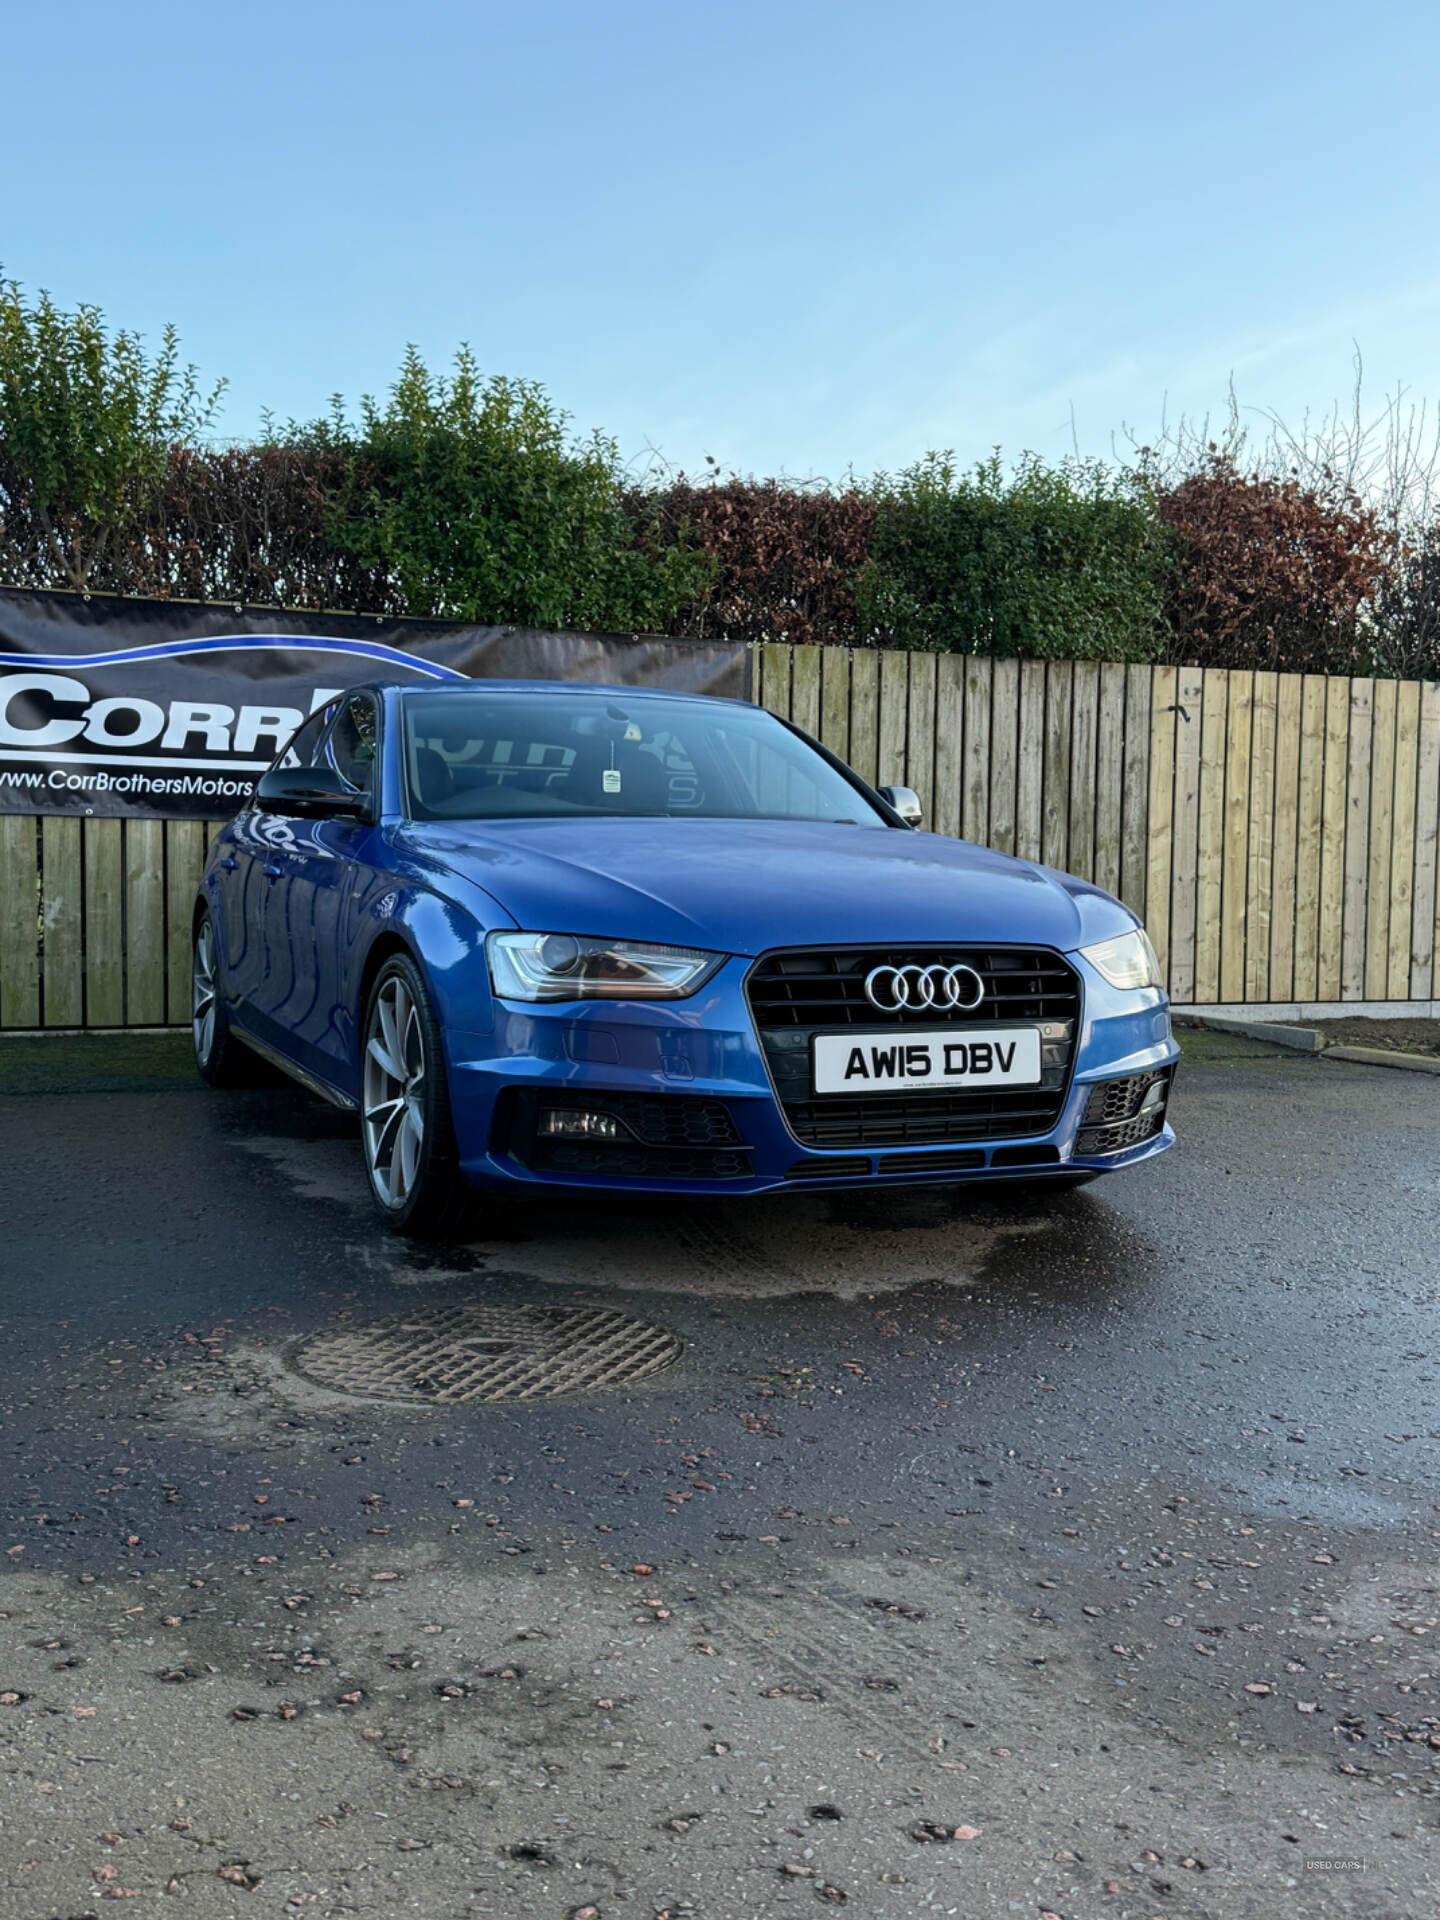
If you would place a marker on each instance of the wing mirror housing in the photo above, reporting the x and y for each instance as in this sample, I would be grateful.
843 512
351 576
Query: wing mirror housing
906 802
315 793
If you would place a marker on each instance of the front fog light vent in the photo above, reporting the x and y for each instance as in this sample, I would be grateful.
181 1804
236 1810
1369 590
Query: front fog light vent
1123 1113
578 1123
1127 1099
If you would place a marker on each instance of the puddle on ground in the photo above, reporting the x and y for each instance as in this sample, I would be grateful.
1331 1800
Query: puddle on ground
767 1247
848 1245
324 1169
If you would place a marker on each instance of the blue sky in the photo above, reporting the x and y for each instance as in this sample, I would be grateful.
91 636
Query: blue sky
799 237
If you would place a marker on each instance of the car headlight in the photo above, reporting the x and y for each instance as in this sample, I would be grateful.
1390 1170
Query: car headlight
1126 961
567 966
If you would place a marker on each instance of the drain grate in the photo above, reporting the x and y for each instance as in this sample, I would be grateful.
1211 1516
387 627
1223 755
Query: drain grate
457 1354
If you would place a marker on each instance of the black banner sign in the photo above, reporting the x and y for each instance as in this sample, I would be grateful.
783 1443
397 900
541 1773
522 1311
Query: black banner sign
115 706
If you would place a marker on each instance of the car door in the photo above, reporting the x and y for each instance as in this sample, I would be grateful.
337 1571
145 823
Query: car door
328 882
247 873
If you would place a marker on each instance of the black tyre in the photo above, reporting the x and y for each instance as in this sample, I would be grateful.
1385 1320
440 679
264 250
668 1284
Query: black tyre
221 1057
406 1130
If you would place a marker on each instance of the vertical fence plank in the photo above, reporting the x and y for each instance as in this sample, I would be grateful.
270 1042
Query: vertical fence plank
1084 713
63 927
773 659
1056 798
755 655
1308 836
1427 841
1004 739
805 688
1288 690
1260 853
1357 840
835 699
975 804
864 711
1109 778
1135 792
894 689
184 863
949 741
104 923
920 732
1235 836
1210 850
1333 839
1030 769
1185 881
1402 837
1159 814
804 698
1382 818
144 923
19 920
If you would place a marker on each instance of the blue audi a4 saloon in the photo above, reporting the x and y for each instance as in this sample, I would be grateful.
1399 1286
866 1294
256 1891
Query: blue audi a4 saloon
549 935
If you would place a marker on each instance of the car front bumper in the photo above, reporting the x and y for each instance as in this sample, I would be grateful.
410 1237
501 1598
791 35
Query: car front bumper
706 1049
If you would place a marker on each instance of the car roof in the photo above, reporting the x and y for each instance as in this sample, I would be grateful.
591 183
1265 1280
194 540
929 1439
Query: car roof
553 686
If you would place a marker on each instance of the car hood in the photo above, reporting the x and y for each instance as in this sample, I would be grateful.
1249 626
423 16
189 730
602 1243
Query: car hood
744 886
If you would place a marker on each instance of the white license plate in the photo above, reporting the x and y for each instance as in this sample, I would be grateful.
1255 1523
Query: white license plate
908 1061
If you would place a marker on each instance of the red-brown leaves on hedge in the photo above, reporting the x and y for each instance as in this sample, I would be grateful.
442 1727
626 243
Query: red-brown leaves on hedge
1270 573
787 557
248 524
243 524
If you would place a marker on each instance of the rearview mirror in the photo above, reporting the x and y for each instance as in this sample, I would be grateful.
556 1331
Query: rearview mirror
313 792
906 803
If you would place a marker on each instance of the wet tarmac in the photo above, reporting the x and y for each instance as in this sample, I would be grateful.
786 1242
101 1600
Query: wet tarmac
1154 1463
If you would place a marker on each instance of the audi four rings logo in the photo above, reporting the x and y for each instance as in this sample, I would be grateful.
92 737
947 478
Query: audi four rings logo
948 989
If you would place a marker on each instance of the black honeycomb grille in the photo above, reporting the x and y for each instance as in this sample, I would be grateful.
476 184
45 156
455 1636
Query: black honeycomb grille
1113 1118
797 994
1114 1100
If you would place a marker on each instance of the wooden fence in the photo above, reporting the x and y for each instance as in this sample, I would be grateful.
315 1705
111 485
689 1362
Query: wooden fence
95 920
1277 832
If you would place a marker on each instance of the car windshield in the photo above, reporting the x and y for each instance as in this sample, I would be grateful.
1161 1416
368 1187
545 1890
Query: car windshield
530 756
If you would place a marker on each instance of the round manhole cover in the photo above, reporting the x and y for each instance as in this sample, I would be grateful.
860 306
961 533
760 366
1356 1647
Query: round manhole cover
487 1353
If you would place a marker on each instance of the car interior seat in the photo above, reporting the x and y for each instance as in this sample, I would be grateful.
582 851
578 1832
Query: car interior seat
433 782
644 784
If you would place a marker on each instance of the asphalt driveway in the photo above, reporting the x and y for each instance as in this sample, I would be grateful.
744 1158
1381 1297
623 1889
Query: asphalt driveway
978 1555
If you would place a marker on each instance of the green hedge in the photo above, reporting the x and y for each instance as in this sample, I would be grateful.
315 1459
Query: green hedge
1048 562
470 497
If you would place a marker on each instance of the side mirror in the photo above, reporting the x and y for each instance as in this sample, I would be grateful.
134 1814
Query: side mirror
313 792
906 803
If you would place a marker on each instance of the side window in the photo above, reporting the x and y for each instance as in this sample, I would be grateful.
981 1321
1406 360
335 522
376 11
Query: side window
303 742
351 744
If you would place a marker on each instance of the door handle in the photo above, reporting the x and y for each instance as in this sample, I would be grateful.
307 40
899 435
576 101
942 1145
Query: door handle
274 873
229 863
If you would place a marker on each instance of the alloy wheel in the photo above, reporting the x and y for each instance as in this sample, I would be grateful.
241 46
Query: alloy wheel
394 1093
202 992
